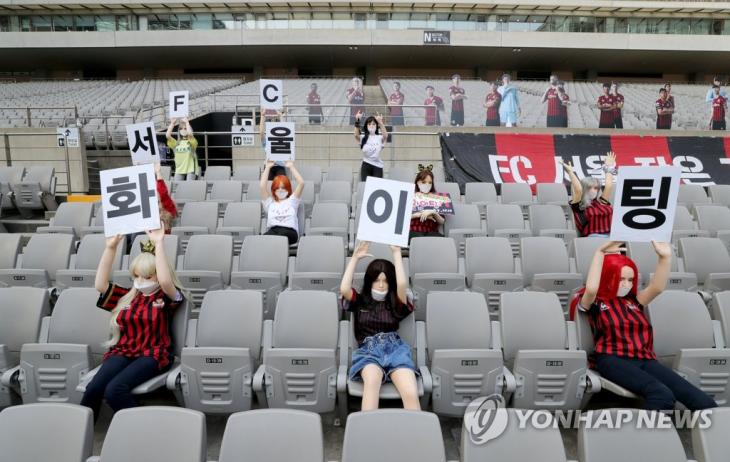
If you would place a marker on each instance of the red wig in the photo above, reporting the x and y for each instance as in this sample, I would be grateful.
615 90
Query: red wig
610 280
280 181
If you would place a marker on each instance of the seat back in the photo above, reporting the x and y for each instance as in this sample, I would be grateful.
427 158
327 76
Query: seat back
543 255
60 432
320 254
231 319
515 193
704 256
531 321
9 249
9 176
41 175
552 193
500 256
335 191
77 320
183 440
504 216
713 218
711 444
49 252
643 254
190 190
335 173
400 434
171 248
720 194
90 250
243 214
433 255
21 312
404 174
265 254
452 189
330 215
226 190
692 194
74 214
250 433
306 319
203 214
683 219
210 252
217 173
480 192
546 216
584 248
311 173
246 173
466 216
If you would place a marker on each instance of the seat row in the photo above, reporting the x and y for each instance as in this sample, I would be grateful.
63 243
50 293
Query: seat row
31 188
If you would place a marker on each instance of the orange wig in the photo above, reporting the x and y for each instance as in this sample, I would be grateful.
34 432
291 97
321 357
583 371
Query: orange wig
280 181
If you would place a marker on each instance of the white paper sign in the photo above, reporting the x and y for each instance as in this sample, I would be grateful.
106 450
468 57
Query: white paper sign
179 104
645 203
385 214
271 94
67 137
143 143
129 200
280 141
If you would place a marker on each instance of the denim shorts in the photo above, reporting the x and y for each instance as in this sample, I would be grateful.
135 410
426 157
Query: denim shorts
385 349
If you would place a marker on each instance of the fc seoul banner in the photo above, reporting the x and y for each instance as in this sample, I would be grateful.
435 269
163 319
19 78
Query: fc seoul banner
534 158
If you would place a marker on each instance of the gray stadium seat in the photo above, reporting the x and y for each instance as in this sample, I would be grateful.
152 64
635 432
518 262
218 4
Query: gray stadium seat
196 218
583 250
452 189
263 266
21 313
319 264
516 193
45 432
70 218
123 278
253 193
466 222
711 444
189 191
691 195
36 190
246 173
716 220
720 194
206 265
552 193
480 194
217 173
357 198
50 370
516 443
393 435
250 434
464 351
96 226
684 340
222 354
240 219
183 438
301 349
166 172
708 258
330 219
549 220
645 258
629 442
9 249
335 173
335 191
311 174
225 191
404 174
685 226
546 267
8 177
494 275
507 220
41 258
308 196
434 265
537 348
83 266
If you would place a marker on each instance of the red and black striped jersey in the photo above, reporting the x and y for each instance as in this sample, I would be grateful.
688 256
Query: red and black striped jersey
620 327
553 102
719 103
493 111
594 219
375 317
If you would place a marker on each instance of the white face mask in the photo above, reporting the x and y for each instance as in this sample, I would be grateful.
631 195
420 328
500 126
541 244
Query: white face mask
425 188
183 133
624 291
592 195
377 295
371 129
282 194
146 286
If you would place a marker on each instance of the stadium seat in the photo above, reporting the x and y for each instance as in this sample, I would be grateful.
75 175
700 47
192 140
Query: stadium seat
96 226
250 434
319 264
70 218
720 308
263 266
335 191
9 250
377 250
480 194
716 220
494 275
685 226
189 191
123 278
583 250
507 220
401 435
50 369
308 196
720 194
311 174
552 193
464 351
82 269
206 265
225 191
434 265
691 195
329 219
253 193
684 340
183 438
335 173
711 444
45 432
452 189
539 350
21 313
549 220
516 443
246 173
516 193
8 177
629 441
466 222
36 190
240 219
217 173
643 254
300 368
166 172
222 353
41 258
404 174
708 258
357 199
546 268
196 218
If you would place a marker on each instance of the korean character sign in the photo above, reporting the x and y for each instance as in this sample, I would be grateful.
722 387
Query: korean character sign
645 203
385 214
280 141
129 200
143 145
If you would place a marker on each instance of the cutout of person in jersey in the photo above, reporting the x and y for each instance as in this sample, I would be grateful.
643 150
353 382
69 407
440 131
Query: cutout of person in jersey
624 341
458 95
553 103
592 210
664 110
434 105
355 98
618 106
491 104
509 109
314 105
395 101
606 106
719 107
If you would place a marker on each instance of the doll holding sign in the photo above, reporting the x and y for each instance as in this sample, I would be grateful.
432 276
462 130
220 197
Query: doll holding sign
424 222
186 162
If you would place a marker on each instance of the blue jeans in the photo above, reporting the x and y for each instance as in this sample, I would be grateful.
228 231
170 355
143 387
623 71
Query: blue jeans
116 379
657 384
386 350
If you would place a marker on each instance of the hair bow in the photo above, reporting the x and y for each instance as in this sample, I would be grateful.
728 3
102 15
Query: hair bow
147 246
428 167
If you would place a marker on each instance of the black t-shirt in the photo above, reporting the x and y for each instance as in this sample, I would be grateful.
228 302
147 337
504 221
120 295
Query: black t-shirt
375 317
